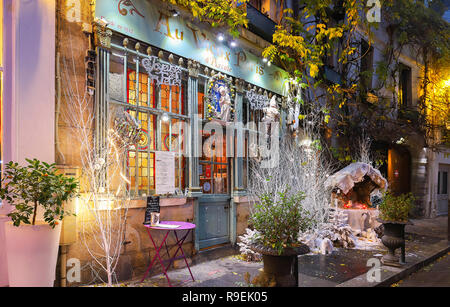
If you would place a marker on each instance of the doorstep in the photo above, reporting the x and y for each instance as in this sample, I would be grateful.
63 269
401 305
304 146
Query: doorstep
214 253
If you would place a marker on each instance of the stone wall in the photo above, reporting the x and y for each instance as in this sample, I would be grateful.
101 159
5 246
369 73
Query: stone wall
138 249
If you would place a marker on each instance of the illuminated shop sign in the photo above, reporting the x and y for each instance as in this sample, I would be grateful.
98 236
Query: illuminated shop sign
145 21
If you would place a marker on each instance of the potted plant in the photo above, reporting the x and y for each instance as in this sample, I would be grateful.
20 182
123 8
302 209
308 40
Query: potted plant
393 215
32 245
278 219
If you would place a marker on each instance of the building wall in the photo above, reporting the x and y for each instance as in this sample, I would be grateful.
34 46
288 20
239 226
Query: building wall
435 159
74 16
29 87
73 40
31 110
420 167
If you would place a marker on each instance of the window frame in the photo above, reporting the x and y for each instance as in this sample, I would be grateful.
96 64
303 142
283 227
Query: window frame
203 83
402 102
367 55
131 62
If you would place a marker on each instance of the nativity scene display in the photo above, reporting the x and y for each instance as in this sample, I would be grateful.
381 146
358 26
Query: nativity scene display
353 185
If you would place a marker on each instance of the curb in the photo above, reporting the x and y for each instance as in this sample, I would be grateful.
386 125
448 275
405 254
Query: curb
412 269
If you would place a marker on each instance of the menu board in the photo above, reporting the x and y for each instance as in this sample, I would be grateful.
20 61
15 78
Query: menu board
152 206
164 172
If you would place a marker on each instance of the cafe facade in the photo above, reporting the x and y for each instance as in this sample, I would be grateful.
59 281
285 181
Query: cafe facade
188 86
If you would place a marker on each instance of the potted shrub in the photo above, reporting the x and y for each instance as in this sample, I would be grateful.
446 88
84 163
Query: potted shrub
393 215
278 219
32 245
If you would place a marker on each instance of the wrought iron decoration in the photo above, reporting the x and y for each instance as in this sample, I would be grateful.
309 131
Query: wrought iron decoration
162 73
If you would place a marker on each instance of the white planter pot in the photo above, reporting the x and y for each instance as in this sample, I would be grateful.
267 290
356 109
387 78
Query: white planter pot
3 265
31 253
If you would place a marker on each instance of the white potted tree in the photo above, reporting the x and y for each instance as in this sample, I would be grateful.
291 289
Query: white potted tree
32 245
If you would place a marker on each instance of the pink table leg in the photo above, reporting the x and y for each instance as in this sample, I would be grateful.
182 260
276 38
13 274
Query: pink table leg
181 249
157 254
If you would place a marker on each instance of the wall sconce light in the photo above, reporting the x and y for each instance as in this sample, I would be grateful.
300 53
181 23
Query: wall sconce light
233 44
174 13
265 60
220 37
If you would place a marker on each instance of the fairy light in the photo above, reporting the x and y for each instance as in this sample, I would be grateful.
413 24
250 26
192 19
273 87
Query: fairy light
165 117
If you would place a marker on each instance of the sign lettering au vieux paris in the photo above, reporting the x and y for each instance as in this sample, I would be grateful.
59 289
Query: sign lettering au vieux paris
145 21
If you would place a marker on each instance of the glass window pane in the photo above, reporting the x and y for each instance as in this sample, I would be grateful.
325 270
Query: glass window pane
206 177
176 95
142 95
116 78
165 136
444 182
165 96
220 179
439 183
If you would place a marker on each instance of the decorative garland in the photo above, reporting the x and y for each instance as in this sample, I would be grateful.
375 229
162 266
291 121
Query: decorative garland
256 101
220 98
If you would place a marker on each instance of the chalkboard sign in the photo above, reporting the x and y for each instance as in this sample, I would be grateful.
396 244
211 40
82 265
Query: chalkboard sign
152 206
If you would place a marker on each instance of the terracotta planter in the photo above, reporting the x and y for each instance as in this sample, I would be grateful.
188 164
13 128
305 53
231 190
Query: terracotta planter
31 252
393 238
284 267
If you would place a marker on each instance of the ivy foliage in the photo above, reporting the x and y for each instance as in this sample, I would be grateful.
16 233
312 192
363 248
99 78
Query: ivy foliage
33 185
303 43
422 31
300 43
219 13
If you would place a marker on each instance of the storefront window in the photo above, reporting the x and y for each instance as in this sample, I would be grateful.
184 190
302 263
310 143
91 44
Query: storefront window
161 111
214 165
201 99
251 118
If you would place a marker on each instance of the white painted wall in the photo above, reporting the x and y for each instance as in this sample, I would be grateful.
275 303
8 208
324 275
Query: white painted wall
29 86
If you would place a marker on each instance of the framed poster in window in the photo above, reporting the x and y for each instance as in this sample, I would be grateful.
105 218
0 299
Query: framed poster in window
164 172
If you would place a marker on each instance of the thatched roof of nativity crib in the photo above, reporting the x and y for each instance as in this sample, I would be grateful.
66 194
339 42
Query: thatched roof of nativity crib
346 178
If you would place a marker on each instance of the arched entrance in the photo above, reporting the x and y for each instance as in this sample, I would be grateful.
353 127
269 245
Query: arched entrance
399 169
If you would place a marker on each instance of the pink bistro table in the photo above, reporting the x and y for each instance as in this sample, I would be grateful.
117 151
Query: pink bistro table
183 226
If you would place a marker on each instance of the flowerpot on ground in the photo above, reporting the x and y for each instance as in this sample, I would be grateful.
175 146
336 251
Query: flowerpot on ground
32 245
393 238
31 253
394 211
282 267
3 262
